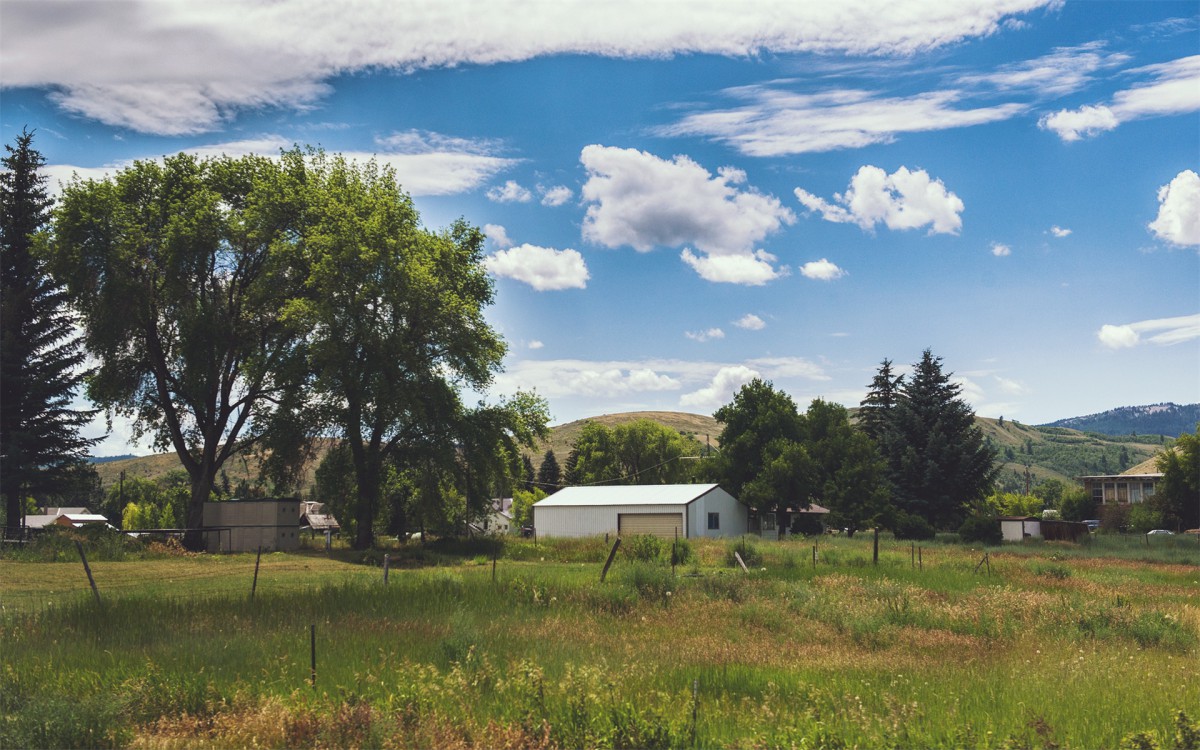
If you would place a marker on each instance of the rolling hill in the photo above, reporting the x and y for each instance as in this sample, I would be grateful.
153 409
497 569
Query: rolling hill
1048 452
1167 419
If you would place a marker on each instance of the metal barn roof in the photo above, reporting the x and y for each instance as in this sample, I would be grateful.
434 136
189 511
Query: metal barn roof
641 494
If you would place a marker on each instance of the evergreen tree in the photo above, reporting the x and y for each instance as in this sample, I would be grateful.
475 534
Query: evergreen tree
570 475
875 417
527 473
549 475
41 450
938 460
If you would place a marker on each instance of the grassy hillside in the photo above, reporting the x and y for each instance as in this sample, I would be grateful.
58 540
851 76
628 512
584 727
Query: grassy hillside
1050 452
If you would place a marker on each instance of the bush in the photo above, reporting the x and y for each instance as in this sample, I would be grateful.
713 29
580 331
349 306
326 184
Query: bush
751 554
908 526
682 552
983 529
643 548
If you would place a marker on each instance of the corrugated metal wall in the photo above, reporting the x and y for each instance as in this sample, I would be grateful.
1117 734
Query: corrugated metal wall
271 524
588 520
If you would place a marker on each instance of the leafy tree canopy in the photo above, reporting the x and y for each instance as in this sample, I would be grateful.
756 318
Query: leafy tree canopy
637 452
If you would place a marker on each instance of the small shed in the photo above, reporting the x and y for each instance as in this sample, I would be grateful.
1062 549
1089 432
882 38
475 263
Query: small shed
664 510
272 524
1019 528
315 518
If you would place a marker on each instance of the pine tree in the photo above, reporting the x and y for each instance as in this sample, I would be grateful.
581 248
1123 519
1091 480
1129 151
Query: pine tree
527 474
570 474
877 409
549 475
41 359
939 460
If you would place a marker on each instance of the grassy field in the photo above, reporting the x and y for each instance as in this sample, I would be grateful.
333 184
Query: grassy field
1060 646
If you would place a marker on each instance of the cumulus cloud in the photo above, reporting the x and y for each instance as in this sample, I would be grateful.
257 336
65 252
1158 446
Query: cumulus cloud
821 270
175 68
510 192
543 268
498 234
1059 232
702 336
555 196
1178 220
721 390
535 344
1000 250
1173 88
902 200
775 122
639 200
750 322
1166 332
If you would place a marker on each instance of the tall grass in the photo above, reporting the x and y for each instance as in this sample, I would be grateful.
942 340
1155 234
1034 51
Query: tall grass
1049 650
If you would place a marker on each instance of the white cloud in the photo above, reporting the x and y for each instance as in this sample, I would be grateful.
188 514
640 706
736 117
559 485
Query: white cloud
749 269
821 270
1000 250
425 163
1173 89
498 234
1178 220
556 196
535 344
721 390
1063 71
702 336
1060 232
1170 331
643 201
510 192
902 200
1073 125
1009 386
780 123
543 268
750 322
175 68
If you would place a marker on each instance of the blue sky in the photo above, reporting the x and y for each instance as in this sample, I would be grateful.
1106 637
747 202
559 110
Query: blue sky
680 197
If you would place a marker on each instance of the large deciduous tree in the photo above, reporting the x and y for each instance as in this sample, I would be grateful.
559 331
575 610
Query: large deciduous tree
396 332
179 271
851 475
637 452
41 357
1178 494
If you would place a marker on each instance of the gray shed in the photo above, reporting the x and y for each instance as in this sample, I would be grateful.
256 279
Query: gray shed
273 524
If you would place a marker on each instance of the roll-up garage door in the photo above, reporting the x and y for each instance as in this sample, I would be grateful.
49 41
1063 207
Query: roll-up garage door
665 525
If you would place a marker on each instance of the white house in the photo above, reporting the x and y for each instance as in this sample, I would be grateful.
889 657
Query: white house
691 510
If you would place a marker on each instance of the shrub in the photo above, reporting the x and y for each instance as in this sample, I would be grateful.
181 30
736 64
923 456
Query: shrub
982 529
751 554
909 526
682 552
643 548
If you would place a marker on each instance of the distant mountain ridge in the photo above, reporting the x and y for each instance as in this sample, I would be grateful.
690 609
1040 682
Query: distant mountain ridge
1167 419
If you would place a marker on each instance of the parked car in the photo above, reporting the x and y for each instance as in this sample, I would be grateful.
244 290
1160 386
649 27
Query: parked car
1160 532
1092 524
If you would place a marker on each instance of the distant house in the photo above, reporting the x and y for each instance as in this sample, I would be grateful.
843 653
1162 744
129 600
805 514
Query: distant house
248 525
1135 485
71 517
766 524
664 510
499 519
314 518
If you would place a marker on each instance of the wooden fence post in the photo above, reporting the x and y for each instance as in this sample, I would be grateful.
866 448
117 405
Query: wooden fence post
612 554
88 569
920 562
387 563
254 585
741 562
875 553
814 557
312 631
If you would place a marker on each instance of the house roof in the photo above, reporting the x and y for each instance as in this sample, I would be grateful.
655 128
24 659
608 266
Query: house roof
641 494
1126 476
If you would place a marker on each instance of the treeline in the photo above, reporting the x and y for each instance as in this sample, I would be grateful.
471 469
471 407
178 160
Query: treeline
229 305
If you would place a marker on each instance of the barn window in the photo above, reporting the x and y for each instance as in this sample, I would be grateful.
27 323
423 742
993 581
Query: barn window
714 521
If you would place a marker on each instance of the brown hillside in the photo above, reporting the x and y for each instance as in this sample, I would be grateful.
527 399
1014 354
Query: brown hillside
562 436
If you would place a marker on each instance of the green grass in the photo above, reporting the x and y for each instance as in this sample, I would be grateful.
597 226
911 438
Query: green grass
1074 650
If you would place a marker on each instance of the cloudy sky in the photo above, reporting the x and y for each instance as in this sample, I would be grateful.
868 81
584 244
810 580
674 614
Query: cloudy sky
680 197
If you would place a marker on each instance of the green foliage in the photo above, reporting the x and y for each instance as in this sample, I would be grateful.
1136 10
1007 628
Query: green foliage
41 357
750 552
549 475
637 452
643 547
910 526
758 425
1013 504
1143 517
1178 493
682 552
1077 505
981 529
522 506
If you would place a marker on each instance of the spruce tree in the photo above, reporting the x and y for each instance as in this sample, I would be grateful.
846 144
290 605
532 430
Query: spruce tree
41 358
549 475
939 460
877 409
527 474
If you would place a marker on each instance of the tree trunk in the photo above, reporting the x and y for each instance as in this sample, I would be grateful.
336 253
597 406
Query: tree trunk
368 504
12 503
193 538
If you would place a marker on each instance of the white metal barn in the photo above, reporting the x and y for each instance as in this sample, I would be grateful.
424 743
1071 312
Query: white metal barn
691 510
